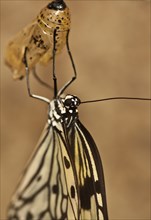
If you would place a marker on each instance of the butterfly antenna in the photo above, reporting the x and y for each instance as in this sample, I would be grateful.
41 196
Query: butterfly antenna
73 66
116 98
53 64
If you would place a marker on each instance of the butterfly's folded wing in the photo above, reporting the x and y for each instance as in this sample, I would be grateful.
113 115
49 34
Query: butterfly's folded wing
89 172
47 190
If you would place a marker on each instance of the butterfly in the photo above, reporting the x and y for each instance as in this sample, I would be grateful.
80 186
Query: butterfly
64 178
38 37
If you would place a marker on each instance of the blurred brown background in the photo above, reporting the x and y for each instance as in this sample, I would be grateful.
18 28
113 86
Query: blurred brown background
110 44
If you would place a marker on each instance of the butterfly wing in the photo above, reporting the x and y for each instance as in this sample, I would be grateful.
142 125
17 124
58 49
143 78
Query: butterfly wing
48 188
89 173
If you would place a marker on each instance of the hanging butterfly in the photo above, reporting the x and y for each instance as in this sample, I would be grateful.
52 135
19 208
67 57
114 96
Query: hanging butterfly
64 178
38 37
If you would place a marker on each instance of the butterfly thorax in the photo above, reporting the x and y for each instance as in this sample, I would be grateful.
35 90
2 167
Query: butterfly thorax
63 111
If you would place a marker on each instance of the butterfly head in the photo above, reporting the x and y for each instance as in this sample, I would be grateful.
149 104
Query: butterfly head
64 109
71 102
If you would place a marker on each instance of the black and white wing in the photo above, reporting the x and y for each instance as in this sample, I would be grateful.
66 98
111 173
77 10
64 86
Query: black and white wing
48 188
89 173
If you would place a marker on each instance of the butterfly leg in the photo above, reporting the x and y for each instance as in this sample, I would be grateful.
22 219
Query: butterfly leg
27 79
43 83
73 66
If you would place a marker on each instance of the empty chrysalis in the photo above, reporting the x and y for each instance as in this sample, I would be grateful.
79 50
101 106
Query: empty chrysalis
38 37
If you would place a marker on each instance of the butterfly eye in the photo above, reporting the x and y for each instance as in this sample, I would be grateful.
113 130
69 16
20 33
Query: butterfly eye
57 5
71 101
